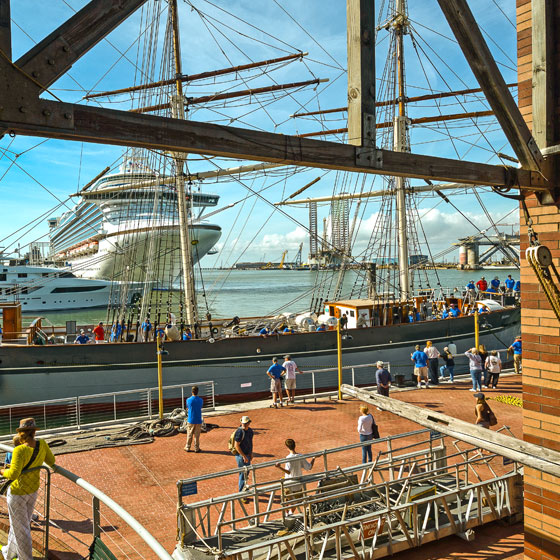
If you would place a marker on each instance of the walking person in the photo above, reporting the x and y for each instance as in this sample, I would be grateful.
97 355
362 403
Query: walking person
275 372
483 413
194 406
146 328
420 360
22 493
243 441
516 348
493 367
367 429
449 365
290 380
383 379
433 362
483 355
475 368
293 471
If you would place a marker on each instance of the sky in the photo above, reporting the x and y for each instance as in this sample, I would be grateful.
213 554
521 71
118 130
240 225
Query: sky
37 175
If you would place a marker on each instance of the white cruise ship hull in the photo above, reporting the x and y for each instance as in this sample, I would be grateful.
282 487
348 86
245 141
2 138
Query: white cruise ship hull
128 252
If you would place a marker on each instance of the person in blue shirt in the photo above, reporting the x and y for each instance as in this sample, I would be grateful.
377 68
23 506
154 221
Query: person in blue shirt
454 311
495 283
288 330
410 317
263 331
194 406
187 334
146 328
471 286
420 360
82 338
116 331
510 284
516 348
492 290
445 314
321 328
160 331
0 335
275 372
517 289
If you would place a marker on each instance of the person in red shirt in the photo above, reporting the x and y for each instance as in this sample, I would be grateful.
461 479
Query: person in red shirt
99 333
482 285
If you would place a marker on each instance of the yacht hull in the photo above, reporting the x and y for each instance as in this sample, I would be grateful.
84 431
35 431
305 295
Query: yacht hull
236 365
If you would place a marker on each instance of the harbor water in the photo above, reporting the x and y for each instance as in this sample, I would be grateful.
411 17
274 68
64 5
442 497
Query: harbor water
246 293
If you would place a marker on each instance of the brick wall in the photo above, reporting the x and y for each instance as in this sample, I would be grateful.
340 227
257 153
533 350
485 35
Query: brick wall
541 340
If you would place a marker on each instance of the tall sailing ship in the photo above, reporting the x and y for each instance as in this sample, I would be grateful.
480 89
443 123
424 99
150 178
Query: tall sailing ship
231 351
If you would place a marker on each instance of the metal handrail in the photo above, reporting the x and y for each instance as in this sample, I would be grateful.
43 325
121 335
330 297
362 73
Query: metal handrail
135 525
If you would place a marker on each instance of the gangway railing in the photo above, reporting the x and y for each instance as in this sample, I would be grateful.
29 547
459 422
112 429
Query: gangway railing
44 508
414 491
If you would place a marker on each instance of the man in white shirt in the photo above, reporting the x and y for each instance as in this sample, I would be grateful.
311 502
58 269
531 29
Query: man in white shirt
293 470
290 379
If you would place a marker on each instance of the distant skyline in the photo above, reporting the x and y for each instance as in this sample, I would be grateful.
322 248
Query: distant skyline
37 175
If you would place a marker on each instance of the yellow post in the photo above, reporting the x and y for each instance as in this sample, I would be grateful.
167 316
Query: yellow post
476 340
339 352
159 375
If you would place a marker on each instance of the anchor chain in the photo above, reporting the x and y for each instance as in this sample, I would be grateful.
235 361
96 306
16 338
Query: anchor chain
540 258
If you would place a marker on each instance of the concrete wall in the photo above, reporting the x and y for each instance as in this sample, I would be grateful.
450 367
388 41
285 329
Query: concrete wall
541 335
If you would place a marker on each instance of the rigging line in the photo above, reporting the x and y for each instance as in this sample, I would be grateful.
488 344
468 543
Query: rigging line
514 69
309 34
504 14
443 79
470 222
259 30
123 55
229 60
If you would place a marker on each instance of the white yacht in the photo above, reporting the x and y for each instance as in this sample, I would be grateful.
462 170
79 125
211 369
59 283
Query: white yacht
42 288
127 222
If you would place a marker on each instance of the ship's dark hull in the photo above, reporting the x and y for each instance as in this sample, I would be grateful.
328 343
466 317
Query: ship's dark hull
236 365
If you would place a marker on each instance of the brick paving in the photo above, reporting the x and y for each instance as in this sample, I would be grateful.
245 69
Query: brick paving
142 478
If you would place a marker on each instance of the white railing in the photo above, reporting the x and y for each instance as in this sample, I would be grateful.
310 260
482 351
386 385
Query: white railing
103 408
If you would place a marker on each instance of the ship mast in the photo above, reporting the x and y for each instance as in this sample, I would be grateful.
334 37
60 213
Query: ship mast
400 144
184 203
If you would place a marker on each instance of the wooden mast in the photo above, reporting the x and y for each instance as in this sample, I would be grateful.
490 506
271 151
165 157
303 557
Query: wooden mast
400 144
183 202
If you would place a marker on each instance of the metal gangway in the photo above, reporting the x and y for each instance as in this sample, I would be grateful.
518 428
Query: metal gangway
420 487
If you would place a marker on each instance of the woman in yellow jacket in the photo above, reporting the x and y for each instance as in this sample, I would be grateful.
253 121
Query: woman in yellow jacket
22 493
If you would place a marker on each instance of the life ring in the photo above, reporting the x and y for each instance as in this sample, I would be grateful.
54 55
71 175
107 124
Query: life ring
211 340
215 330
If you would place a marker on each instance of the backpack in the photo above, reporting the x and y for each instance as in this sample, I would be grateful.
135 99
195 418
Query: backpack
231 442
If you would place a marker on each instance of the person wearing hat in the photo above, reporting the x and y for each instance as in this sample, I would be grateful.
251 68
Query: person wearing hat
244 446
516 349
22 493
82 338
99 333
291 370
383 379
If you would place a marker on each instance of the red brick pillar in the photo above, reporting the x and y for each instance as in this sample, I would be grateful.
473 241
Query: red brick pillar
541 337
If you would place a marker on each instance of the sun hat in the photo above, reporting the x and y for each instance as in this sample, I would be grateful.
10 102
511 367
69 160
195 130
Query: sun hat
379 363
245 420
26 424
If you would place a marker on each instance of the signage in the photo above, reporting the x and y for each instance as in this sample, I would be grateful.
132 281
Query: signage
246 385
507 461
188 489
434 434
369 528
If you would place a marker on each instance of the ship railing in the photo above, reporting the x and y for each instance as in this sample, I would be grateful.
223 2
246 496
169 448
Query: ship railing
420 486
103 408
68 519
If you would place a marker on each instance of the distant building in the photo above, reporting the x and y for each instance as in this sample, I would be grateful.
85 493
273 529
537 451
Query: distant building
418 259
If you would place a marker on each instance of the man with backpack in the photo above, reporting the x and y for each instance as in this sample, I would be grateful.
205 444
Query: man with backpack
241 445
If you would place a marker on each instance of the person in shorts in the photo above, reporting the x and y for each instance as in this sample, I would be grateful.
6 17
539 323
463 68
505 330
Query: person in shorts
275 372
290 379
420 360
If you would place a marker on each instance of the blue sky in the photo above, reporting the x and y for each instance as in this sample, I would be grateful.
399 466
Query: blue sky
45 173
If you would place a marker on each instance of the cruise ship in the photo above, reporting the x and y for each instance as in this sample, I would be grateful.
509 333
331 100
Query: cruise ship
126 222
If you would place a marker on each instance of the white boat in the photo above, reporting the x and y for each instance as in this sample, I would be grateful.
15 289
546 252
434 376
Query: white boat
122 219
42 288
